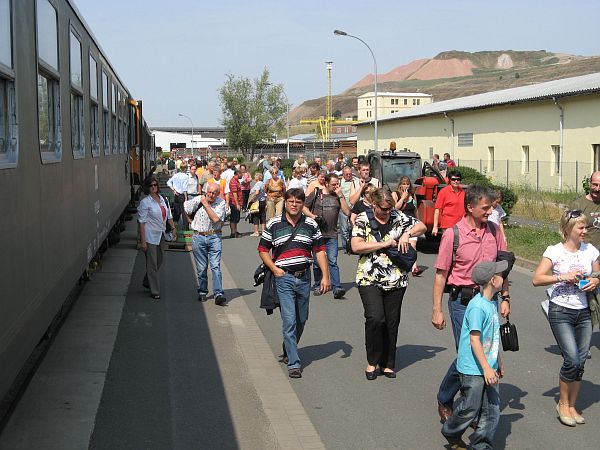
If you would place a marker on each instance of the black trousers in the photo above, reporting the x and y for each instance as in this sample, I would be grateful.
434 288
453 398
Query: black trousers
179 212
382 318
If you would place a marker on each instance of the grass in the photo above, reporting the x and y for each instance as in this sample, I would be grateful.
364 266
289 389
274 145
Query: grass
530 242
542 206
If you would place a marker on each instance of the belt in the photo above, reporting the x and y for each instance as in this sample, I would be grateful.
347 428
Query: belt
207 233
466 293
298 273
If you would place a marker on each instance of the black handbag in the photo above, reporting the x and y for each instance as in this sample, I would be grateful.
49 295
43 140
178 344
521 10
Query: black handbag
509 337
404 261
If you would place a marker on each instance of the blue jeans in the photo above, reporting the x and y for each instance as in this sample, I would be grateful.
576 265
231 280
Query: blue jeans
475 396
207 250
331 248
343 227
293 296
572 329
451 382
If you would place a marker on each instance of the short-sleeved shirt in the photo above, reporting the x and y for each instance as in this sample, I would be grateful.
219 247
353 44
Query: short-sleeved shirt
202 221
481 315
592 211
451 205
471 251
298 253
497 215
564 293
327 206
376 268
235 188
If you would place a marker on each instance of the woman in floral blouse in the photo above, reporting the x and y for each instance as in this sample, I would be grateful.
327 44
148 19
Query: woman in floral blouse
381 284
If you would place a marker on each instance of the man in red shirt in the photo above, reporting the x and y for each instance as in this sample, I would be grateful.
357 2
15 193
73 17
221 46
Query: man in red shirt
449 205
450 163
235 202
477 243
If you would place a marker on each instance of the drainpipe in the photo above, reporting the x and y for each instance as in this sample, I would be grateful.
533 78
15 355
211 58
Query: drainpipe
451 135
560 150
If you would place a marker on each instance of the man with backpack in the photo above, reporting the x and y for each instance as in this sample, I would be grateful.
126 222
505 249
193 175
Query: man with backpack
462 247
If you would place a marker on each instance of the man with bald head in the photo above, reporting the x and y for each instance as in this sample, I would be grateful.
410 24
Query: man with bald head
590 205
208 211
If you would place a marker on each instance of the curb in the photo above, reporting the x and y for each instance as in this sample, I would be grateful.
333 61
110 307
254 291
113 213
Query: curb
526 263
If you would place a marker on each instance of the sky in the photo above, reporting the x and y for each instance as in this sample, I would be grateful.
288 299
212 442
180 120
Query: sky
175 55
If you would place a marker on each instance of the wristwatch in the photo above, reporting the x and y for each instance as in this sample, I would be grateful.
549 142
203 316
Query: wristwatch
505 298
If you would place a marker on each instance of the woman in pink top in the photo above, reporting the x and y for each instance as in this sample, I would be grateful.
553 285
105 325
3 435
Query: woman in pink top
245 182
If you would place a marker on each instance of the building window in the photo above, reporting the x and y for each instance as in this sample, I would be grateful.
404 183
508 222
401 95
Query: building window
405 102
49 119
414 101
418 101
525 166
94 130
596 151
465 139
491 160
556 159
47 33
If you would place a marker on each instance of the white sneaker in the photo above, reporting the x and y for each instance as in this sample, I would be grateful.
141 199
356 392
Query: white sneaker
255 234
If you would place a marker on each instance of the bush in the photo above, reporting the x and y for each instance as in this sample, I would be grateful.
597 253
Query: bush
472 176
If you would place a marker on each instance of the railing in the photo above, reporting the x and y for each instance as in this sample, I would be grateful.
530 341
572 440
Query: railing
541 175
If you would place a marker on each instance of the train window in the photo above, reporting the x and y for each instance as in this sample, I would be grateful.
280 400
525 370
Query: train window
75 61
5 33
8 125
94 129
77 139
47 33
105 90
93 78
49 127
106 132
115 128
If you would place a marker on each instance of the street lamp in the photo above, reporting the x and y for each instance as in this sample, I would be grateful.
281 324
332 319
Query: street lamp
188 118
287 120
343 33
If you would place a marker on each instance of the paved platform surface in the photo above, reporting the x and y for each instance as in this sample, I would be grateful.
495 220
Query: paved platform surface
128 372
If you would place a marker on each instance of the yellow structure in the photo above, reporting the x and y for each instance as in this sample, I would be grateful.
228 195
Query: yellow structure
545 135
389 103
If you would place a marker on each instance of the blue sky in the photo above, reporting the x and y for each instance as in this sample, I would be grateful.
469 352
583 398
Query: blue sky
175 54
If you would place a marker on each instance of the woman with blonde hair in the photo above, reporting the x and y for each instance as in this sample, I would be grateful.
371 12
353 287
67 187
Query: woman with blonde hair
275 190
563 266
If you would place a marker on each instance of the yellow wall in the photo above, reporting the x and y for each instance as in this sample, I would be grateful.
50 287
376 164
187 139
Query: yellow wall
507 129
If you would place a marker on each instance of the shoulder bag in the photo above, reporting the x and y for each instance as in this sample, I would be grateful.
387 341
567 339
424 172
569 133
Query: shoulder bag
404 261
509 337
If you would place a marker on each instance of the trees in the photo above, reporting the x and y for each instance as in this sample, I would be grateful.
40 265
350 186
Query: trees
253 110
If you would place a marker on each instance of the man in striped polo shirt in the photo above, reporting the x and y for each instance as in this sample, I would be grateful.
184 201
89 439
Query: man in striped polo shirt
291 269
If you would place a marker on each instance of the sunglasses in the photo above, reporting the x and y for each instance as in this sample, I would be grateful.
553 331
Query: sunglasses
574 213
384 209
153 184
455 179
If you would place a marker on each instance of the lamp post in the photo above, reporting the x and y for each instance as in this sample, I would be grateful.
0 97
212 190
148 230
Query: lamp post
192 123
287 122
343 33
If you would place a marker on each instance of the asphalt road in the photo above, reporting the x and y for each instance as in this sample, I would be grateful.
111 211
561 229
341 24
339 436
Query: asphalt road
350 412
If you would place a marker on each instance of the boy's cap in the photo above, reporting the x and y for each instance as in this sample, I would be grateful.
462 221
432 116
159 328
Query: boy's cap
484 271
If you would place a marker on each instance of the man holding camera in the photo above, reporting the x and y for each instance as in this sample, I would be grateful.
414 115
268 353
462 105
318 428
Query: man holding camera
324 206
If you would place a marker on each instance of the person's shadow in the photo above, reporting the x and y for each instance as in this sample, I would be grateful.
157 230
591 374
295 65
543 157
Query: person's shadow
588 395
232 294
321 351
510 396
406 355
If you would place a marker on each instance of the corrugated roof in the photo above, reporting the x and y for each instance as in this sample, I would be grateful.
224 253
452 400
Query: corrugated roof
557 88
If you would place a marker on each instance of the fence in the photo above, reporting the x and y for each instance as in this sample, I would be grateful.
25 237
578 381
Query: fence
541 175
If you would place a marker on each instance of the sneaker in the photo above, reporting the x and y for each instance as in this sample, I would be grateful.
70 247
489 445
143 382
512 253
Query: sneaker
295 373
456 444
202 297
316 292
339 293
255 235
220 300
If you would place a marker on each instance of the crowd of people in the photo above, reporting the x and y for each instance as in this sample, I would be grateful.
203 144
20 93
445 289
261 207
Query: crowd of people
300 221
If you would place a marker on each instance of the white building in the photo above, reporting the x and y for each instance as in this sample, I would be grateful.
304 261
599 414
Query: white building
389 103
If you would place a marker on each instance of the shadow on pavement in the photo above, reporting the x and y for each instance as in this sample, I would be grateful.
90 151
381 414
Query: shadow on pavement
163 387
406 355
232 294
554 349
321 351
588 395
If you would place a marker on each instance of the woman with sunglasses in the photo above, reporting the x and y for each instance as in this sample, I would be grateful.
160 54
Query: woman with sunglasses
153 214
381 284
563 266
449 204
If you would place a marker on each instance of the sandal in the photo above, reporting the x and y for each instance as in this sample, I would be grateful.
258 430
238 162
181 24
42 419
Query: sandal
417 271
155 296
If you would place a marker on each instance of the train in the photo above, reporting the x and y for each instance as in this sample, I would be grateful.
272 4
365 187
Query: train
74 150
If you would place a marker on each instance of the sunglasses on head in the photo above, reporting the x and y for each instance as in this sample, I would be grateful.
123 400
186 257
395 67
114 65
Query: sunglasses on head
574 213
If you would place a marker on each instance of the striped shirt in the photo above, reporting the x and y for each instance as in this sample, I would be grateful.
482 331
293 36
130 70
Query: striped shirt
298 253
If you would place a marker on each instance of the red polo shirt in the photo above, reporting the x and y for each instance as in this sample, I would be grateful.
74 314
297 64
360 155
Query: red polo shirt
471 251
451 205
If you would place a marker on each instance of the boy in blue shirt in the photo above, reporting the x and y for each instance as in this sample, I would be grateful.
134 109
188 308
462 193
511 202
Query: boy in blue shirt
478 363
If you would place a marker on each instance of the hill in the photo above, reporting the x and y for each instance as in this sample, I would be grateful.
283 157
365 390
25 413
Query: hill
455 74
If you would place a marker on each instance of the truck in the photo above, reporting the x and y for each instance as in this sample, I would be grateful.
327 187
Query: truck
389 166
